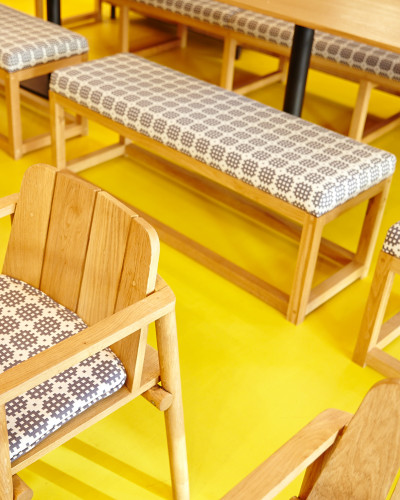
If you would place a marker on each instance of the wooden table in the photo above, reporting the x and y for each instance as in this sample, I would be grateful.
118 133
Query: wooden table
374 22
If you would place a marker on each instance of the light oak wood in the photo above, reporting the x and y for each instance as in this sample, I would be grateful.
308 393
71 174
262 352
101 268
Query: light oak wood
6 486
26 246
92 253
20 490
67 237
279 470
347 457
251 201
360 112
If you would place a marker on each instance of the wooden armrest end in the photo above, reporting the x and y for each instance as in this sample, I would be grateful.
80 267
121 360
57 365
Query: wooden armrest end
273 475
8 204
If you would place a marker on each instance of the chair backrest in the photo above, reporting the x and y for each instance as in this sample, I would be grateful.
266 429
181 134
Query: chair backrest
366 458
79 245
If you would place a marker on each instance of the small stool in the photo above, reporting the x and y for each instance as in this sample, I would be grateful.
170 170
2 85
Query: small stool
376 334
31 47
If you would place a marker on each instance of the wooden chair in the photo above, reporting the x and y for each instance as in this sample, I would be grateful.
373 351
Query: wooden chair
375 334
345 457
95 256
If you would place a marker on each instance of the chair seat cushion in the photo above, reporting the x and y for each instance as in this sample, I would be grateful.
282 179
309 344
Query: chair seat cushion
391 244
31 322
304 164
209 11
332 47
27 41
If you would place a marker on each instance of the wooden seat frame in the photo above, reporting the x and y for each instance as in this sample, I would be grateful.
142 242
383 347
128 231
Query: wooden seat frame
358 128
249 201
345 456
14 144
375 334
115 290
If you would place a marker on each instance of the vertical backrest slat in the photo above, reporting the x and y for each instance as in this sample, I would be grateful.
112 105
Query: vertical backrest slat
366 459
26 246
104 258
138 279
68 238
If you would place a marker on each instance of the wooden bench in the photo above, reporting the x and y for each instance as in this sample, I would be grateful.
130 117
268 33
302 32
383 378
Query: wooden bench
255 158
369 66
31 47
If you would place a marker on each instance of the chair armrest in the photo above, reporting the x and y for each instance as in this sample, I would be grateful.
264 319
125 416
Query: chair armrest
80 346
273 475
7 204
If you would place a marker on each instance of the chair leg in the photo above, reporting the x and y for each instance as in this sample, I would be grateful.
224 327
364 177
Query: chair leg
375 309
13 115
167 343
182 35
370 228
124 28
228 63
305 268
6 484
21 491
360 112
57 123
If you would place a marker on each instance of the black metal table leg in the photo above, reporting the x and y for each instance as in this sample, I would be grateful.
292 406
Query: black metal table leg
113 16
298 70
54 11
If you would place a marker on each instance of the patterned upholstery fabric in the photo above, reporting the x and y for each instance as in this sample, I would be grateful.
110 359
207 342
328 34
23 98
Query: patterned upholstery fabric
341 50
209 11
27 41
304 164
30 322
391 244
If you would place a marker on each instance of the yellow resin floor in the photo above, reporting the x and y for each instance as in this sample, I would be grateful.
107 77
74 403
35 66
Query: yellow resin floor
250 379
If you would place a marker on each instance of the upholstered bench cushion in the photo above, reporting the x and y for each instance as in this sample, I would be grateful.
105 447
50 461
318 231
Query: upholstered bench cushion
304 164
341 50
31 322
391 244
27 41
209 11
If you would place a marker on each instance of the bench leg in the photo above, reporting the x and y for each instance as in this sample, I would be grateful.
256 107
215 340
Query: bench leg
57 123
39 9
359 116
124 28
182 35
370 229
228 63
13 115
305 267
375 308
167 343
97 10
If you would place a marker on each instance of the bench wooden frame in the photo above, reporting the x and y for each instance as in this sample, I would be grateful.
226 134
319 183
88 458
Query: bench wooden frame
248 200
375 333
14 143
358 129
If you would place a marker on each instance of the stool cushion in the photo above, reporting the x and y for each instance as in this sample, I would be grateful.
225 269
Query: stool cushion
31 322
209 11
391 244
304 164
341 50
27 41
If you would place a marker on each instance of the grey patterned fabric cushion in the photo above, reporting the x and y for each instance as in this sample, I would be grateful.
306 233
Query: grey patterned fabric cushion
304 164
31 322
341 50
391 244
209 11
27 41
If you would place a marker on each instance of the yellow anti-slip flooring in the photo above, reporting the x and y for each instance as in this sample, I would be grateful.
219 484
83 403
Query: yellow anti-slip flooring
250 378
